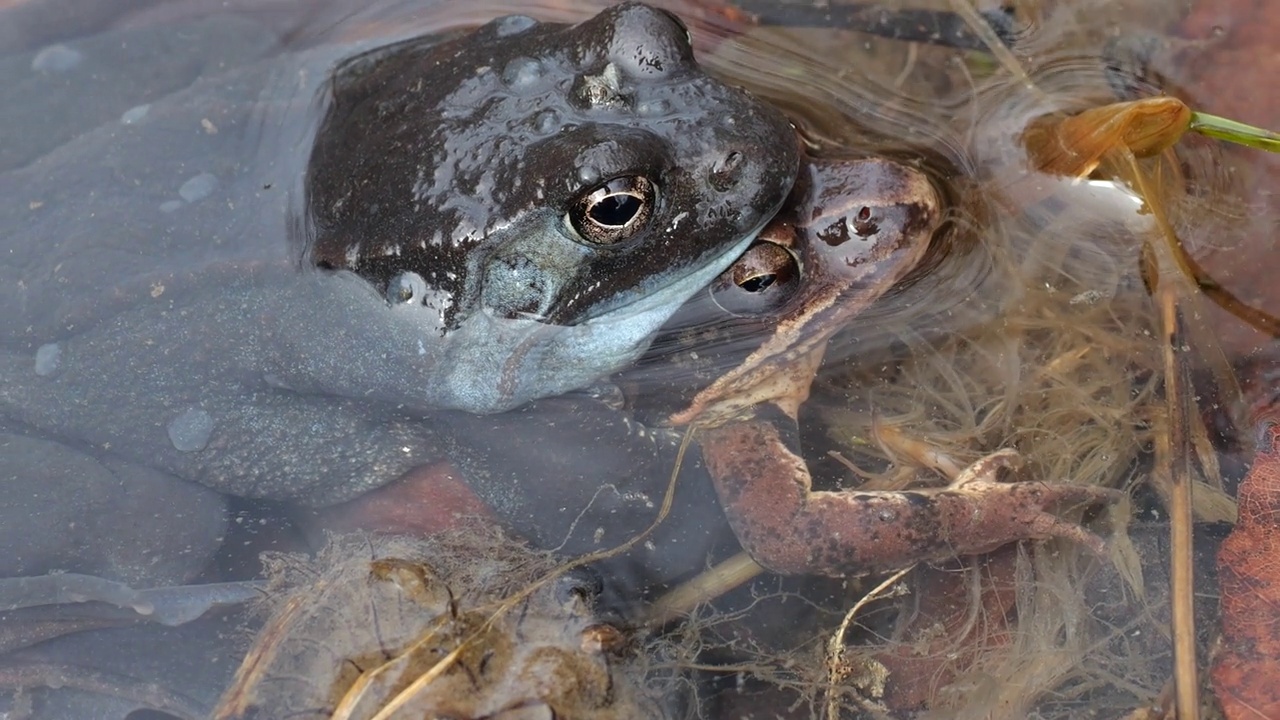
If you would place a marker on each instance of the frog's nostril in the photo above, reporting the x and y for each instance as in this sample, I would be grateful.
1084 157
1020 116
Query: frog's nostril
579 587
726 171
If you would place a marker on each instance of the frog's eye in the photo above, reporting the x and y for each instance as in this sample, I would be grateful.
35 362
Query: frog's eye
614 211
761 281
406 288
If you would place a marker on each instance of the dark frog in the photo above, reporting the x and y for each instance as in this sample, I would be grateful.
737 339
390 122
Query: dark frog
268 283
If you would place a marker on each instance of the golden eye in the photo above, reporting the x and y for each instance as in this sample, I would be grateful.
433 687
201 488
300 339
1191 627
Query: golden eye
759 282
614 211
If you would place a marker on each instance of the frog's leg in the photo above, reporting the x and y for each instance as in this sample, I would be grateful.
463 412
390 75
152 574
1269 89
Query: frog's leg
65 510
764 486
175 660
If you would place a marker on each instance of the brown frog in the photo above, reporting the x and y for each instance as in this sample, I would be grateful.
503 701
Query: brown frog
853 230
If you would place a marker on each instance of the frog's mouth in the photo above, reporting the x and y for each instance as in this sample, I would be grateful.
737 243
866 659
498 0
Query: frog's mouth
492 363
561 356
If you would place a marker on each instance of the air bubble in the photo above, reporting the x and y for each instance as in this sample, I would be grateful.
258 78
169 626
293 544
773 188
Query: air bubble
48 358
191 430
512 25
547 122
654 108
199 187
135 114
406 288
522 72
56 58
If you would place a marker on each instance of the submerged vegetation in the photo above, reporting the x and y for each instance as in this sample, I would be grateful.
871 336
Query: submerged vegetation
1061 317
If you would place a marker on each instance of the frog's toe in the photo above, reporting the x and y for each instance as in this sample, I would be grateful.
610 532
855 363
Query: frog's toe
988 467
1048 525
1008 512
1027 504
1040 523
1065 494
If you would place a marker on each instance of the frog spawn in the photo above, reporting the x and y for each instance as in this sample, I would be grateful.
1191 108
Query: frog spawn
467 625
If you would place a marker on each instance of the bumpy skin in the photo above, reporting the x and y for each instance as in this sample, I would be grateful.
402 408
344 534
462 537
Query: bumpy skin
479 207
786 526
166 318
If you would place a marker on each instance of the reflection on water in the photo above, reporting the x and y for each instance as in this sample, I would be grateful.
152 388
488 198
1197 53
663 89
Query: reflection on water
1028 326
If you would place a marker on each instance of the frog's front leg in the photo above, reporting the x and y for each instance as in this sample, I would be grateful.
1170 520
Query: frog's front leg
764 486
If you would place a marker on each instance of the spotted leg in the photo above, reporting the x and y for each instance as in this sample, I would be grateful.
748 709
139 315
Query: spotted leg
784 525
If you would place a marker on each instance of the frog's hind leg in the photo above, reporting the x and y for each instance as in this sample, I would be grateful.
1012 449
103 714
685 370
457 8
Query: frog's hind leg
64 510
764 487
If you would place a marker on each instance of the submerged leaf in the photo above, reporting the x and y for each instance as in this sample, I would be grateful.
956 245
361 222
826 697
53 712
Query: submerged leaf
1073 146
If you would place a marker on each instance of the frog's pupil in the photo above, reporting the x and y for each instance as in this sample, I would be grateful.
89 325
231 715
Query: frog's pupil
616 210
758 283
613 211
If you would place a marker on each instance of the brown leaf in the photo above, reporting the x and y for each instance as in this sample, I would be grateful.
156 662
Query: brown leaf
940 641
1246 666
1073 146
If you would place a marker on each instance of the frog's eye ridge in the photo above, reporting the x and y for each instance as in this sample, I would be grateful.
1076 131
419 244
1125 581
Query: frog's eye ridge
613 211
679 21
761 281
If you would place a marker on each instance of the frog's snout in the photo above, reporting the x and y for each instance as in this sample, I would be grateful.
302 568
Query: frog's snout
727 171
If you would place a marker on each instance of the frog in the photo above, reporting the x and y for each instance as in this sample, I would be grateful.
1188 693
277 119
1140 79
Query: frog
891 215
283 282
854 231
739 310
729 373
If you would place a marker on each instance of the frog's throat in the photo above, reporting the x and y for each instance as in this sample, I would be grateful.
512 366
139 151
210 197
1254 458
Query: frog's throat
544 360
670 296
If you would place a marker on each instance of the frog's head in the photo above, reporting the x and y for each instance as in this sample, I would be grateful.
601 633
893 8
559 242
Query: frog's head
535 200
852 231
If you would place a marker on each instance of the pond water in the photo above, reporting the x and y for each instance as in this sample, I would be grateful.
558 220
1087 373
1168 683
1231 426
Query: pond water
181 395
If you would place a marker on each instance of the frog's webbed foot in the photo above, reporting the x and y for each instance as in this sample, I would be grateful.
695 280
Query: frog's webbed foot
1021 505
785 526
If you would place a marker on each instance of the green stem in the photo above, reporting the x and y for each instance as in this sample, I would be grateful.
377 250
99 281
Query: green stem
1232 131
